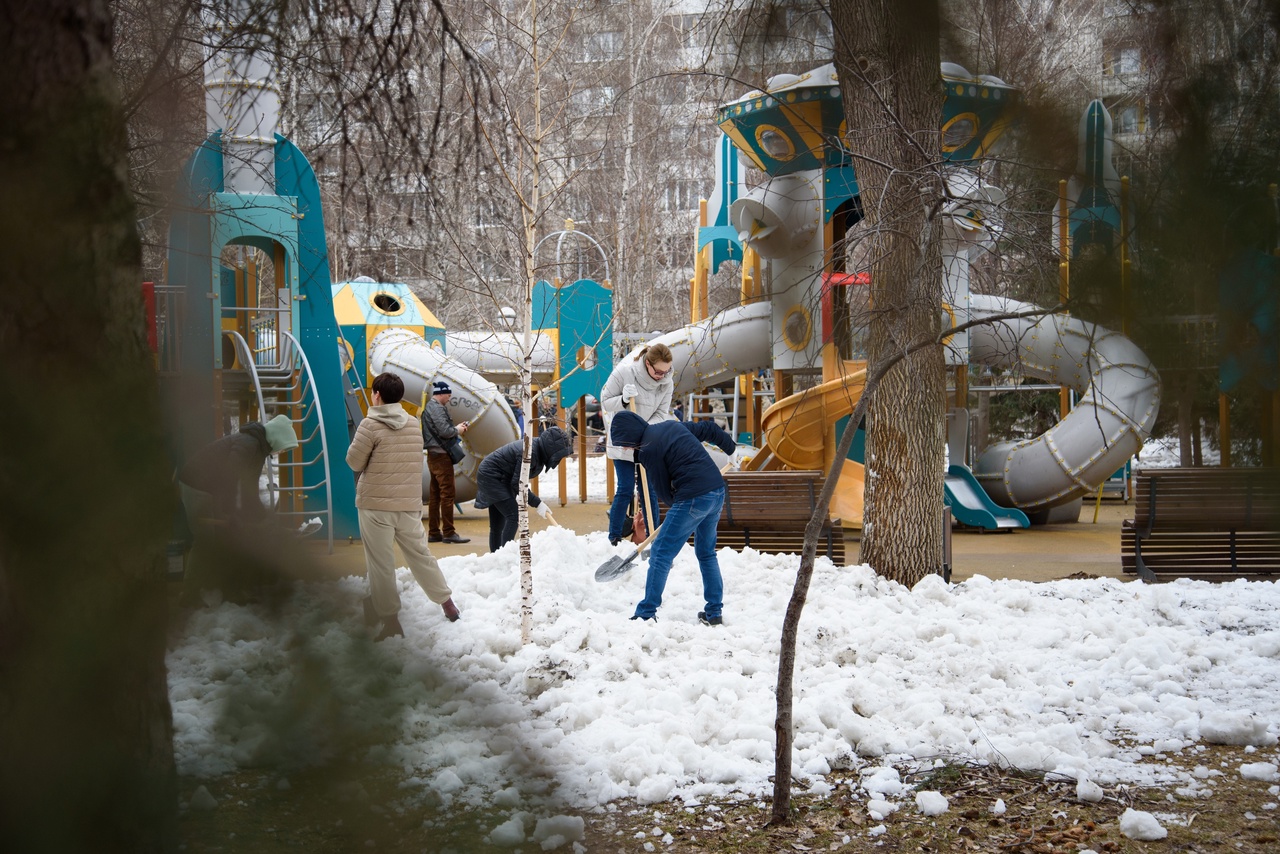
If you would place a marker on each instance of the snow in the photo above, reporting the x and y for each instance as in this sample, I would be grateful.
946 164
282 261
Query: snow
1265 771
931 803
1140 825
1093 680
1164 453
1088 791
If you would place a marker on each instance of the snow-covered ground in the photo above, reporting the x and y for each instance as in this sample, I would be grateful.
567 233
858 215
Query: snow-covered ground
1079 677
1164 453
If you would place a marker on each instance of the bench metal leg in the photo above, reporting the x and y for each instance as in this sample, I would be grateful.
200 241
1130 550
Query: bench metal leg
1144 571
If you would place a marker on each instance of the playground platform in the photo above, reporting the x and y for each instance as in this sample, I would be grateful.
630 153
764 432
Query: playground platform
1039 553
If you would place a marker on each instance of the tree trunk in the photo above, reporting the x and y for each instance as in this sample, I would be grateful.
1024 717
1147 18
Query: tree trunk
888 61
1197 443
85 505
1186 400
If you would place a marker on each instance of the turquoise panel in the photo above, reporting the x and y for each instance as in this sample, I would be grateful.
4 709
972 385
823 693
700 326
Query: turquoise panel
317 332
583 313
858 450
189 268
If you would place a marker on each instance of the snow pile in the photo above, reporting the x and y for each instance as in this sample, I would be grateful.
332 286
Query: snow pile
1082 678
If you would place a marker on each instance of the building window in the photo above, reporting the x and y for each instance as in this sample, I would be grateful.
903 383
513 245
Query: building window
596 101
602 47
686 27
1122 60
1129 119
681 195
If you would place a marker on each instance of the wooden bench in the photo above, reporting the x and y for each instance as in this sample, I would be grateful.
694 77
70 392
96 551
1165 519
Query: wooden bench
1209 523
768 511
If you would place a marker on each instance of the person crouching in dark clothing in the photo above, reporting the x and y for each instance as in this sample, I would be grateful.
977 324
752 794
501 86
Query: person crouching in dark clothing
220 493
498 481
681 474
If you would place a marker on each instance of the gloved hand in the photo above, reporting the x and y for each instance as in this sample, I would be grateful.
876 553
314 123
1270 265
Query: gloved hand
544 509
630 392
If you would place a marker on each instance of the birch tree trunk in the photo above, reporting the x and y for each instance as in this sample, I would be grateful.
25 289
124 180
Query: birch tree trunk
531 212
86 733
887 56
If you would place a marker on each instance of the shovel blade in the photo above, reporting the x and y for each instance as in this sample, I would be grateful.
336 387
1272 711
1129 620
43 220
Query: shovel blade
614 567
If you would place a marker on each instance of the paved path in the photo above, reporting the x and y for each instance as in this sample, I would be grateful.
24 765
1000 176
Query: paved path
1040 553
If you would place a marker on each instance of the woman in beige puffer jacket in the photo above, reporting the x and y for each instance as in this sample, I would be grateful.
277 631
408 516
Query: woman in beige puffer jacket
386 455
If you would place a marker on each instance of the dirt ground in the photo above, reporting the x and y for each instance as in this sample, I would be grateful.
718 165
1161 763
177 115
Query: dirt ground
342 809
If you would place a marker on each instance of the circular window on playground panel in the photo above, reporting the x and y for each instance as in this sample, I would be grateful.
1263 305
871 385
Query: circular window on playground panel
959 131
388 304
775 142
797 327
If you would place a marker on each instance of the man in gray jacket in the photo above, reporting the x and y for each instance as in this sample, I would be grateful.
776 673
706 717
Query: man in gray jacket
387 454
438 428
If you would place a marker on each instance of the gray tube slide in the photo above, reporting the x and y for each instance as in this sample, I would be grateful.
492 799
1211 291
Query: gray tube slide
475 398
497 355
715 350
1119 393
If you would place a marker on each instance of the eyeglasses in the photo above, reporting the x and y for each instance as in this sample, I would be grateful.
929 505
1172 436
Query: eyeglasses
657 373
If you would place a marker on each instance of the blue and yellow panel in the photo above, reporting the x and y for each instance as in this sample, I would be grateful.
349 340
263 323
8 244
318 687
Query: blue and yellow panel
975 112
381 304
788 131
800 126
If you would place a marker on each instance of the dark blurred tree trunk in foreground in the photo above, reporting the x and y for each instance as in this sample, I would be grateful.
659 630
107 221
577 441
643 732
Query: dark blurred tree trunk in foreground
86 746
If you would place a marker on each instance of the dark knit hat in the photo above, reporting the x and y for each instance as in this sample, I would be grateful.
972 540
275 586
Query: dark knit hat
440 387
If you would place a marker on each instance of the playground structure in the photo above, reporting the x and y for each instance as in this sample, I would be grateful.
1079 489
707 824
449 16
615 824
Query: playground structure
253 327
784 231
258 339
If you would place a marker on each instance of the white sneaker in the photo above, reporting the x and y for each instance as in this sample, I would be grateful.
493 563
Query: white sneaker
309 527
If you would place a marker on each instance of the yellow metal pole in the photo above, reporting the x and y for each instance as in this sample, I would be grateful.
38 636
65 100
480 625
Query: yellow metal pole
582 450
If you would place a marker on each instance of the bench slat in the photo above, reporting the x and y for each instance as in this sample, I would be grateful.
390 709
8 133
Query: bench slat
768 511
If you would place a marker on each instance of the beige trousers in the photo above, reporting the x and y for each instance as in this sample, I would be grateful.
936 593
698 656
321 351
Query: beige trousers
379 529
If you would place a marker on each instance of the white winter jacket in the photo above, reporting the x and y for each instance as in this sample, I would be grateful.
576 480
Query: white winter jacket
653 403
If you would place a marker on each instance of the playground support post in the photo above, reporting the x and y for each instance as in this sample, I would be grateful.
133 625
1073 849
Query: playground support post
583 445
1064 275
1125 261
1273 190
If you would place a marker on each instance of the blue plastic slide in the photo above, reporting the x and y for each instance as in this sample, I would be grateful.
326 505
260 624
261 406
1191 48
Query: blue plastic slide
970 503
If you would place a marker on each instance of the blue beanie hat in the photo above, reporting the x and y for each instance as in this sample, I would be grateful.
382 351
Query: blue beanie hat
440 387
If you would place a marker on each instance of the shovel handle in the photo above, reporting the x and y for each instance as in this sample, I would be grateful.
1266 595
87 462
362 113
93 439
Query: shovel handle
647 540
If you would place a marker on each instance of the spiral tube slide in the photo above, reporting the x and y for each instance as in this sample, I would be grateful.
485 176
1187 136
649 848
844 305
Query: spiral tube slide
1119 397
475 399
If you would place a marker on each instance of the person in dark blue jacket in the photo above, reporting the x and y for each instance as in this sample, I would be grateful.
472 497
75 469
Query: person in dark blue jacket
498 481
681 474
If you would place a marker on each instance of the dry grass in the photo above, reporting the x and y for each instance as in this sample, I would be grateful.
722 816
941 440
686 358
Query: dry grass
342 809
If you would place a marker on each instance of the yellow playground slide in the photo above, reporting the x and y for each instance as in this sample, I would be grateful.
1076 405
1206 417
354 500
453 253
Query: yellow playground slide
800 433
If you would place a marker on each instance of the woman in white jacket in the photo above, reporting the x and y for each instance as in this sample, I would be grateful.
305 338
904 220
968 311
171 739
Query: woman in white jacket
645 378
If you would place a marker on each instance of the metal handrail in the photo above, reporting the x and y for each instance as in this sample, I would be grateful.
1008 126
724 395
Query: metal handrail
301 387
324 440
242 350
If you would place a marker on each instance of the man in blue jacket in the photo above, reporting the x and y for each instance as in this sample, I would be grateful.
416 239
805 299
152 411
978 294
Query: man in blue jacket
683 476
